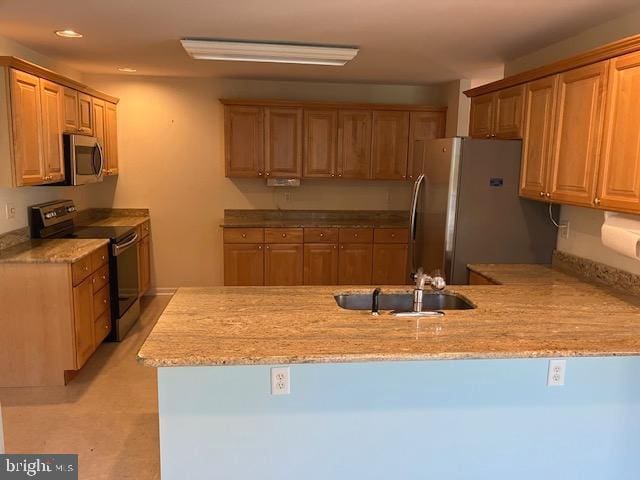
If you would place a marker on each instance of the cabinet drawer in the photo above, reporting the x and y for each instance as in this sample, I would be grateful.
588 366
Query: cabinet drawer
102 327
283 235
320 235
100 278
81 269
356 235
391 235
101 302
145 229
243 235
99 258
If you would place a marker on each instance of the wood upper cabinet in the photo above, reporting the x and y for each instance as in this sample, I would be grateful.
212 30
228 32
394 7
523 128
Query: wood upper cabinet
423 126
355 264
481 116
390 264
52 104
619 176
243 264
539 107
320 264
497 115
579 113
111 138
320 143
354 144
389 144
244 141
26 114
85 115
83 321
283 264
71 114
283 142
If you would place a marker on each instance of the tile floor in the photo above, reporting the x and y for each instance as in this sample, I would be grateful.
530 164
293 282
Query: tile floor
108 414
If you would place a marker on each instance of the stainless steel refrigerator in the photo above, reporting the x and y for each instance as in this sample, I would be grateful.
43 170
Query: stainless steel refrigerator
465 209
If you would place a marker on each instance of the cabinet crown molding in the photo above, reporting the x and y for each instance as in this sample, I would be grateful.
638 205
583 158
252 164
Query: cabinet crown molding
41 72
604 52
326 105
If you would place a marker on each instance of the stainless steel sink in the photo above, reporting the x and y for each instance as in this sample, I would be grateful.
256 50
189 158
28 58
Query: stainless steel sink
403 301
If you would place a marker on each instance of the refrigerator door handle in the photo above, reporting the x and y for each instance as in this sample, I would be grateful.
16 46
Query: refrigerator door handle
417 186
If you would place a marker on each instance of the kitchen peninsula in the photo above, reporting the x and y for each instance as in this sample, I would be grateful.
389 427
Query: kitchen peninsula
390 393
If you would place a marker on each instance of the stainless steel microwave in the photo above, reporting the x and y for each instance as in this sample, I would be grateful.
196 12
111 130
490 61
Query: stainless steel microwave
83 159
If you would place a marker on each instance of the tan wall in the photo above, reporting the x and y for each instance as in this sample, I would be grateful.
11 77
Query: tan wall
172 161
584 236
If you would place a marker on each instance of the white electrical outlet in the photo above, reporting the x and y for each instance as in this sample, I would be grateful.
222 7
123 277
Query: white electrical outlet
556 373
10 210
280 381
564 229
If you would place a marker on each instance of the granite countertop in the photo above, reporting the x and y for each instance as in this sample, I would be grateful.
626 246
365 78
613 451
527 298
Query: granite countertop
522 274
282 325
315 218
115 221
62 250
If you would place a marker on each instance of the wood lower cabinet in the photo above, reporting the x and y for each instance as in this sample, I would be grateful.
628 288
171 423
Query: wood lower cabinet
321 264
540 100
244 141
243 264
423 126
283 264
355 264
320 143
579 114
283 142
390 264
390 137
83 321
619 173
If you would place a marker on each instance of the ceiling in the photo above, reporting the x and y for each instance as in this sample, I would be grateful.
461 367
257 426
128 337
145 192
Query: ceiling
401 41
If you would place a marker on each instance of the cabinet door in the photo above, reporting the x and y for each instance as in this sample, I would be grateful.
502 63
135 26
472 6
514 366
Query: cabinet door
355 264
539 106
507 122
111 138
243 264
389 144
320 143
283 142
244 141
354 144
144 265
619 178
481 117
83 321
423 126
52 104
577 134
99 118
320 264
390 264
26 116
71 118
283 264
85 114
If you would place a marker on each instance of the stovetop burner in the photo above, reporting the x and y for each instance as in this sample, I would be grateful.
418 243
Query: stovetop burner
115 234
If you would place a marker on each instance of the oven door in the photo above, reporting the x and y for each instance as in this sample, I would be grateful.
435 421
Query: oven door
86 159
125 267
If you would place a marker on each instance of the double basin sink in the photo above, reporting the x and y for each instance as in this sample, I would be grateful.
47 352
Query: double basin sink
403 302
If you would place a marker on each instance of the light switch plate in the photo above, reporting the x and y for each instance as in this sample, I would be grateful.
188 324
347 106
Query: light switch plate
10 210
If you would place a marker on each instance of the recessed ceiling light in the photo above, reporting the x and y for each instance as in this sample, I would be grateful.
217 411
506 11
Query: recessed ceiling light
268 52
69 33
127 70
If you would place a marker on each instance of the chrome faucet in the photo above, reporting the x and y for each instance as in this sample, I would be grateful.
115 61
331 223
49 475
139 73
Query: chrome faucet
436 283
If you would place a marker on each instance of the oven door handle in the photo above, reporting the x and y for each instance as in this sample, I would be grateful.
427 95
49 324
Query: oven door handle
119 248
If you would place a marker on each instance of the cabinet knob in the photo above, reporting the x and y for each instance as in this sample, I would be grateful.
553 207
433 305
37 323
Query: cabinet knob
339 174
267 174
488 135
259 174
93 280
244 235
321 234
542 194
267 247
393 235
548 195
333 175
259 247
355 235
284 235
104 301
86 269
596 201
104 277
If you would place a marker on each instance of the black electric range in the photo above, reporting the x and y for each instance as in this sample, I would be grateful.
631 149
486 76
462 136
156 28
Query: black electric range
56 220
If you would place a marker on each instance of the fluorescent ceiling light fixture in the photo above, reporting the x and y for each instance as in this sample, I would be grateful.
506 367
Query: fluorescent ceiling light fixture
68 33
268 52
127 70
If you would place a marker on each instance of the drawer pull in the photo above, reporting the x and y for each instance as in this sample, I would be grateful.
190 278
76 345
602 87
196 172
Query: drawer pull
284 235
322 234
93 280
86 269
104 277
244 235
104 300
